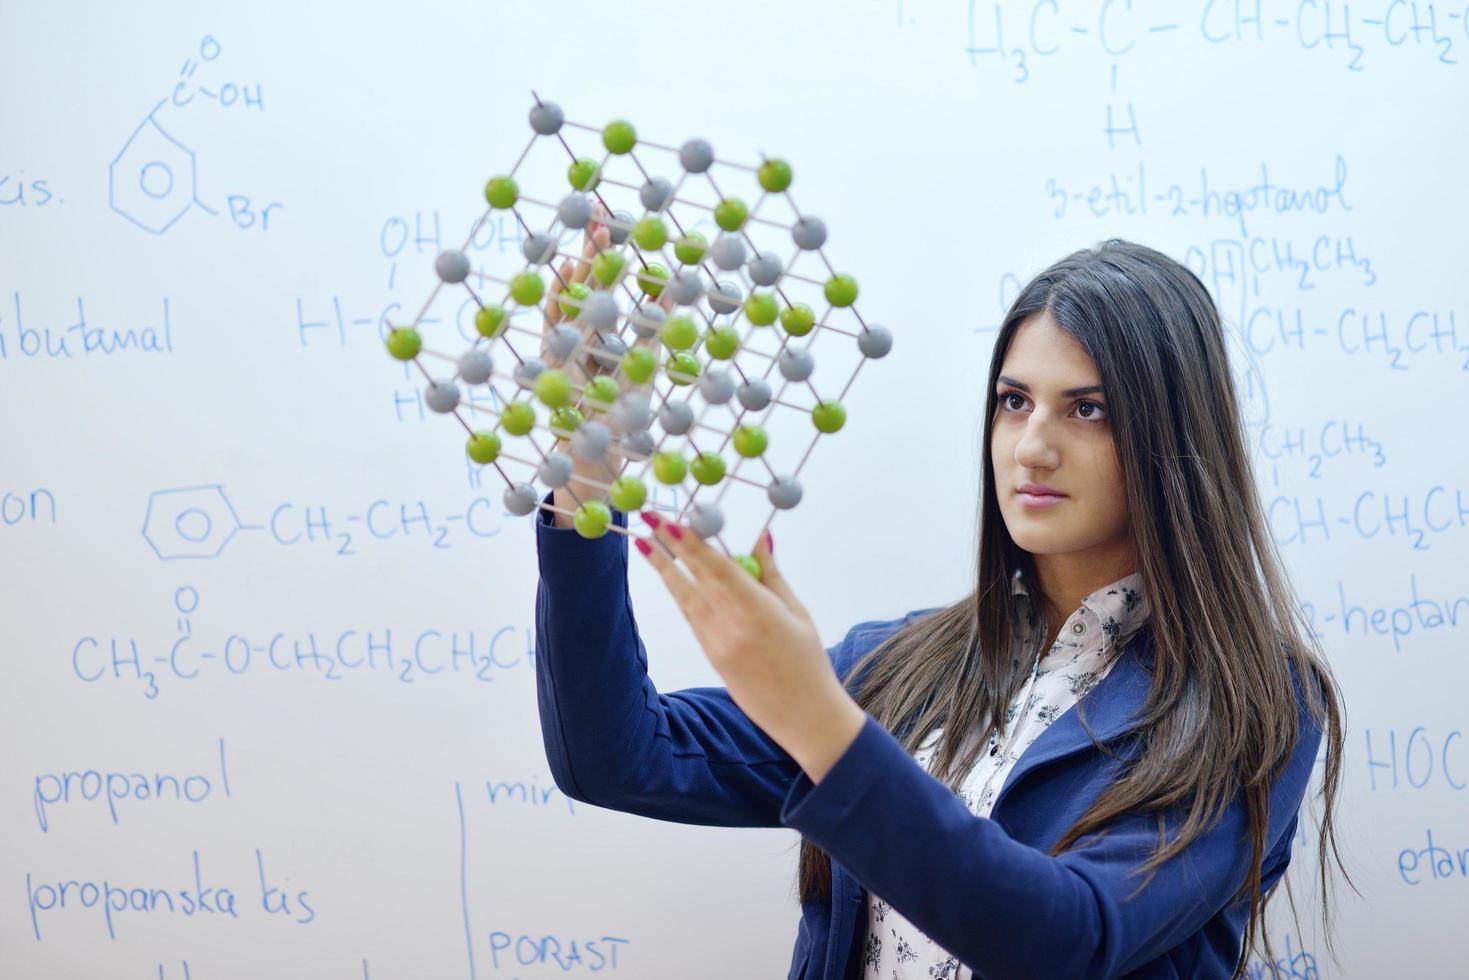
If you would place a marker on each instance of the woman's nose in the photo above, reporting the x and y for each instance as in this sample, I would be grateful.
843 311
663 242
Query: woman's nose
1036 449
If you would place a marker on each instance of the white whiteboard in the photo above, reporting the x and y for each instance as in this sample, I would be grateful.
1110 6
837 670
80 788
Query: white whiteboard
223 460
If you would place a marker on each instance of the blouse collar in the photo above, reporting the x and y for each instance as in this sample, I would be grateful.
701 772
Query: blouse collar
1118 608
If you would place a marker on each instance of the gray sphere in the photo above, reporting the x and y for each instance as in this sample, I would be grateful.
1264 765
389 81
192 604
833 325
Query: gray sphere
685 287
754 394
599 310
638 445
555 469
561 341
527 371
677 418
809 233
784 492
875 341
764 269
619 235
574 210
707 520
590 441
656 194
452 265
728 251
538 248
696 155
611 349
716 385
442 396
546 118
475 367
648 321
725 297
520 498
631 411
796 365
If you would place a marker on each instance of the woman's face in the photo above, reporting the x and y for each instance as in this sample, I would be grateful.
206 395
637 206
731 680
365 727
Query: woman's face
1046 433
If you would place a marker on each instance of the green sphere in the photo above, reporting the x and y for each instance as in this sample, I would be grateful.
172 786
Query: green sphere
750 440
553 387
404 343
690 248
639 364
583 174
775 175
608 266
749 564
708 468
565 420
797 319
518 418
501 192
483 447
669 467
650 233
527 288
489 319
619 136
678 333
841 290
682 362
730 214
722 342
592 519
601 392
577 291
652 279
828 416
628 494
761 309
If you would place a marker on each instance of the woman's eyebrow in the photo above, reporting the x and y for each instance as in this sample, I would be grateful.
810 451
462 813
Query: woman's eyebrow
1068 393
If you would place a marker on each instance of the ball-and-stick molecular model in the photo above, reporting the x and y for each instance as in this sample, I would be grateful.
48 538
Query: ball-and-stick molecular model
657 364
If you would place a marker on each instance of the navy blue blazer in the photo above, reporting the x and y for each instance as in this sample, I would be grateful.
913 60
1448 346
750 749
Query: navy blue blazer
982 888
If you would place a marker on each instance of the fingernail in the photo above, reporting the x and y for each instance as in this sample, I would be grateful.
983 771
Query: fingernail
676 531
643 546
649 518
769 542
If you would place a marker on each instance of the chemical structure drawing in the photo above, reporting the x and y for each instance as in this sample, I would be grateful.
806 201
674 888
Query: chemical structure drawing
153 181
190 522
657 346
199 521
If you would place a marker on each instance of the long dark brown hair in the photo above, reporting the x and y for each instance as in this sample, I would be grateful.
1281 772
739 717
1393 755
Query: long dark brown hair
1225 623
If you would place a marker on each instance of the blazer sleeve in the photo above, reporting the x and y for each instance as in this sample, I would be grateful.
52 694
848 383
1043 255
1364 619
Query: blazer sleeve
1001 906
611 739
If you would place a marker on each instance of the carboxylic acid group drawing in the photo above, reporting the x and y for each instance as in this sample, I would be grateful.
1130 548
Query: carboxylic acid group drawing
658 363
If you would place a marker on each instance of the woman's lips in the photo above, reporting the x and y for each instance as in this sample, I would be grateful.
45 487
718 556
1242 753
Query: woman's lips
1040 499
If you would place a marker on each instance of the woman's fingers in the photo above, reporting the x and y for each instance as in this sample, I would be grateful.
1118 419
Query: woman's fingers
715 574
553 308
595 237
773 580
683 588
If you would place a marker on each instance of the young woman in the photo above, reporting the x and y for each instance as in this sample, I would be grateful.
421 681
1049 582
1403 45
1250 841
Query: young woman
1089 766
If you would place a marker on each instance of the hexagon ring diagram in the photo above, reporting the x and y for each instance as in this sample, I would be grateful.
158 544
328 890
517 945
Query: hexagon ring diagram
151 180
189 522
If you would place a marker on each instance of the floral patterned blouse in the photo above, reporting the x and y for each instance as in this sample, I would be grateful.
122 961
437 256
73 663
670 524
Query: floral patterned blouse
894 949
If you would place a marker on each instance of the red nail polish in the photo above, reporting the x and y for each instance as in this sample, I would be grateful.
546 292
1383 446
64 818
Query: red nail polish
643 546
676 531
769 542
650 518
